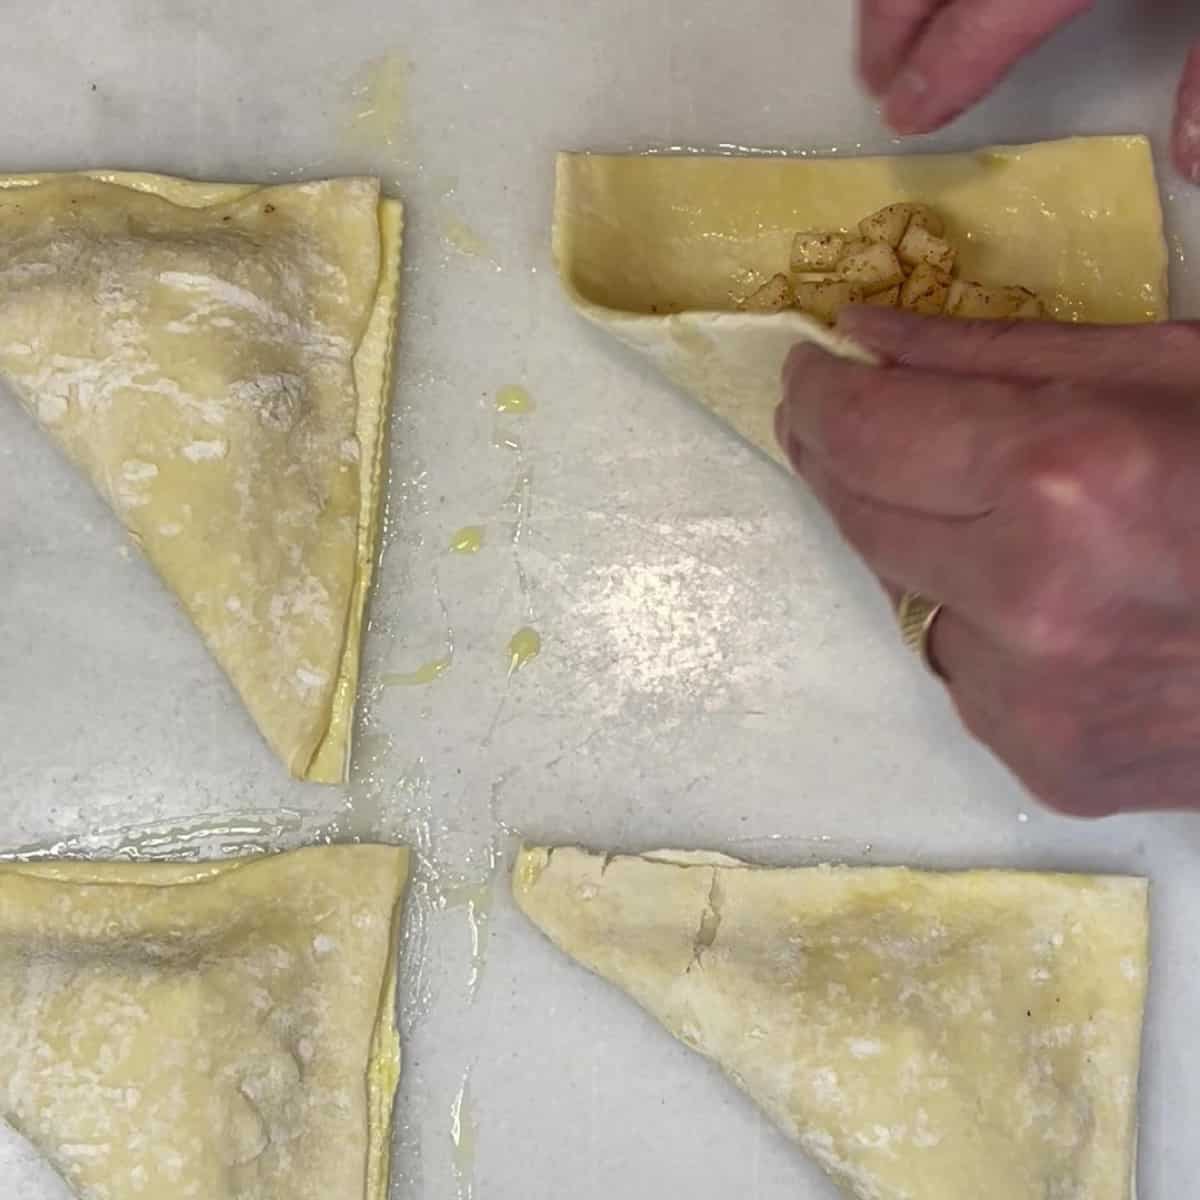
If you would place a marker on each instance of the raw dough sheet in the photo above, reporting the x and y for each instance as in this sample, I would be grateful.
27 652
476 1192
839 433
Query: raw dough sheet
639 237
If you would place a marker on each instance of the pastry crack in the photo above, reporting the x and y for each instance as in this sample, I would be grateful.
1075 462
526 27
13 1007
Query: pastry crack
710 923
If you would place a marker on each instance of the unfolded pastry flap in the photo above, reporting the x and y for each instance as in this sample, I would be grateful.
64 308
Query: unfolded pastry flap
210 1031
657 249
217 359
922 1036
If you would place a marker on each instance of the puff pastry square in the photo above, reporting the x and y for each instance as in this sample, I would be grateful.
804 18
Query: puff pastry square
656 249
217 359
214 1031
922 1036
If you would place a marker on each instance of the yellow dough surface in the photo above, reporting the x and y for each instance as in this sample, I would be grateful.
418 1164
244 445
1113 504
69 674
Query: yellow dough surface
214 1031
923 1036
658 249
217 359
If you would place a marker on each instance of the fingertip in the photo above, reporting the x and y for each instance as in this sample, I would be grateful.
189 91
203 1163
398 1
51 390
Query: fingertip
876 75
898 121
859 318
804 375
802 357
964 50
884 331
1186 159
785 376
1185 142
1088 804
781 425
904 122
791 448
888 30
910 106
798 362
875 87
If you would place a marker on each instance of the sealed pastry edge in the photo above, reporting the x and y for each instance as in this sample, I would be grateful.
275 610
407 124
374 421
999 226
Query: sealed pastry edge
385 1061
533 860
374 370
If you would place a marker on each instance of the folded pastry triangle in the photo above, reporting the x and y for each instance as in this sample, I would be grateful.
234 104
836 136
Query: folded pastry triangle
658 250
922 1036
209 1030
217 359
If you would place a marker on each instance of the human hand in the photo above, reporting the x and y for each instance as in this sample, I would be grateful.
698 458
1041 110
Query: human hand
1043 482
929 60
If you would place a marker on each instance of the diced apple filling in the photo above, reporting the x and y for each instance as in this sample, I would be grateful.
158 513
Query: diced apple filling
900 258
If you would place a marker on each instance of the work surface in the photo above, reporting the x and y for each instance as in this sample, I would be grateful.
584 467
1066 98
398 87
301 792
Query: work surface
715 671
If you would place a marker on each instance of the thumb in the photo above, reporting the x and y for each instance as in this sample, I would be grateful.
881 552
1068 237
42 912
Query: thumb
1186 145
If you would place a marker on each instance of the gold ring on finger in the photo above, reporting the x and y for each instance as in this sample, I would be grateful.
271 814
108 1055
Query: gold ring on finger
918 615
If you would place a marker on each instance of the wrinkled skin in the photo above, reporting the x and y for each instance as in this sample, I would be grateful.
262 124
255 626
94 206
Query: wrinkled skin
1043 481
927 61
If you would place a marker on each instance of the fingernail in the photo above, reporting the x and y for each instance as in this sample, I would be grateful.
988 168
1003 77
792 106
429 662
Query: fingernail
781 426
793 451
906 103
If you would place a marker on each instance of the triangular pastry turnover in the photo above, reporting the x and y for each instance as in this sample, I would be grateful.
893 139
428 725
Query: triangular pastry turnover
217 359
922 1036
217 1031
